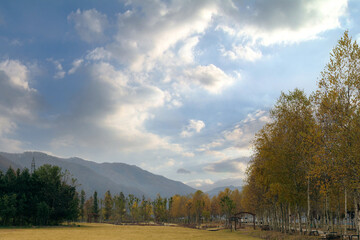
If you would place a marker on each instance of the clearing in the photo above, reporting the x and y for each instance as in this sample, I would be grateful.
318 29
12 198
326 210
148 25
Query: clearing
110 232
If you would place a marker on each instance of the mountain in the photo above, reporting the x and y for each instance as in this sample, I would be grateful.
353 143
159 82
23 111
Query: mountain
215 191
6 163
100 177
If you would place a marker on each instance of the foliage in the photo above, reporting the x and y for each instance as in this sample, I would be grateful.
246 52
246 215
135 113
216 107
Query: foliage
41 198
307 156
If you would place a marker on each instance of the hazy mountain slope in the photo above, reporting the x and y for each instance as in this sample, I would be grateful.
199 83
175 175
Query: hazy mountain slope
116 177
6 163
133 176
88 179
215 191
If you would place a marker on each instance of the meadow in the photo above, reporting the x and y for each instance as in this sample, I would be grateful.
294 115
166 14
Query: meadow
112 232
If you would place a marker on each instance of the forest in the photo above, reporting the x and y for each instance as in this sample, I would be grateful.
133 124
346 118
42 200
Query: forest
192 209
305 171
46 196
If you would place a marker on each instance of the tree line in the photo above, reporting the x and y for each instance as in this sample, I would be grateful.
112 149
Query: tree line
194 208
45 197
48 196
305 171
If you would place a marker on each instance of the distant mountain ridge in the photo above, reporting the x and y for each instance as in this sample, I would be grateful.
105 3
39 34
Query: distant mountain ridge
100 177
215 191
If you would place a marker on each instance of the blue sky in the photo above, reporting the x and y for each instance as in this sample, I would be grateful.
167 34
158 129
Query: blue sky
178 88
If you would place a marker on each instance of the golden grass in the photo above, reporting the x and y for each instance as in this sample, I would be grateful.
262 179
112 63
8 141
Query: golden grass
113 232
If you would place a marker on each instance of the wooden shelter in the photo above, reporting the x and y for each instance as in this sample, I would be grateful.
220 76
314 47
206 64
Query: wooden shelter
236 218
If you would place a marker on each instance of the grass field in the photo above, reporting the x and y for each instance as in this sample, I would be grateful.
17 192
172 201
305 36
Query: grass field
113 232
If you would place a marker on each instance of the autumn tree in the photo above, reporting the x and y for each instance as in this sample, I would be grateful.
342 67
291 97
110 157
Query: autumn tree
337 101
145 209
108 205
120 207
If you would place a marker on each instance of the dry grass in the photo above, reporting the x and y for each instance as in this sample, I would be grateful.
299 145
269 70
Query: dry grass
273 235
113 232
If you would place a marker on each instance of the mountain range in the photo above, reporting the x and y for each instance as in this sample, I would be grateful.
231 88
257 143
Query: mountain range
100 177
215 191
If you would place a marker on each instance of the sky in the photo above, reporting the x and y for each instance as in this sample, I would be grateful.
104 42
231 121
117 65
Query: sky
178 88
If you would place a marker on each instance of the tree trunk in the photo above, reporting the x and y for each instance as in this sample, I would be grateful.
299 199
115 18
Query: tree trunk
327 217
345 212
308 220
357 217
289 212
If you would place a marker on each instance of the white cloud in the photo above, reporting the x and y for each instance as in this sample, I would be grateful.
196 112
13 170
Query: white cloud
199 183
98 54
170 163
90 24
111 114
194 126
75 65
272 22
246 52
209 77
17 102
16 72
149 29
236 141
186 52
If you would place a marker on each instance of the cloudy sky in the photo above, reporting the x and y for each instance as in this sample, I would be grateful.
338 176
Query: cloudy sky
176 87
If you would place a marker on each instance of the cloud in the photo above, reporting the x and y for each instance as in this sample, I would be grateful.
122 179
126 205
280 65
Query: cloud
7 143
199 183
246 52
75 65
60 73
183 171
186 52
208 184
273 22
209 77
16 73
99 53
235 142
194 126
17 98
90 24
244 131
18 102
237 165
147 30
110 113
170 163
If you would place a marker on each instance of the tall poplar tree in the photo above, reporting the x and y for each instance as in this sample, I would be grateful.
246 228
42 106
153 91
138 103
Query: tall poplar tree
95 210
338 105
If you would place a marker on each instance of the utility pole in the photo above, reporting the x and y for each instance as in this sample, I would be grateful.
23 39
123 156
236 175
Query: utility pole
33 165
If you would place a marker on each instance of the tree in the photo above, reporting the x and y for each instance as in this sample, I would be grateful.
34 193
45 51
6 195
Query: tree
43 197
198 203
338 102
120 207
108 205
227 206
95 207
159 209
145 209
88 209
82 202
